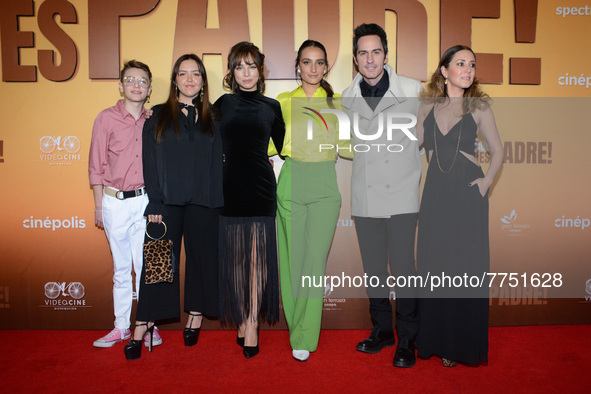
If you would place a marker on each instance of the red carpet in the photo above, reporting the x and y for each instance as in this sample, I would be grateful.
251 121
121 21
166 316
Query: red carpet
521 359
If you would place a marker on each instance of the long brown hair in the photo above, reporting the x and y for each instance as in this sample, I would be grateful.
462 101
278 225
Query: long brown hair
170 111
246 51
436 87
323 83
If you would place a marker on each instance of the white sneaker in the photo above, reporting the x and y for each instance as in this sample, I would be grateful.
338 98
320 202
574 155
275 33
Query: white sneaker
116 335
300 355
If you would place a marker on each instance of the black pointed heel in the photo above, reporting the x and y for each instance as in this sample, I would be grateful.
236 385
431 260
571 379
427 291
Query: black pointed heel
240 341
133 348
250 351
191 335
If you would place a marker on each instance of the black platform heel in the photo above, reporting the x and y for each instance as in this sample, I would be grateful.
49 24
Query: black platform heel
133 348
191 335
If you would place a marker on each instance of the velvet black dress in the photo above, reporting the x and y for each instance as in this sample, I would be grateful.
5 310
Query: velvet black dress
453 240
249 280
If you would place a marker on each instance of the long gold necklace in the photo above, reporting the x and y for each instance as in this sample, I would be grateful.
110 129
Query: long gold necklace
435 139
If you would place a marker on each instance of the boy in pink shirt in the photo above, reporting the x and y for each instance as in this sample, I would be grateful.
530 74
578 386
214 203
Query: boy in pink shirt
116 176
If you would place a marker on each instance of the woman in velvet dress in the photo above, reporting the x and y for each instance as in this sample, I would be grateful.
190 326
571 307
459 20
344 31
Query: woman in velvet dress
249 282
182 157
453 218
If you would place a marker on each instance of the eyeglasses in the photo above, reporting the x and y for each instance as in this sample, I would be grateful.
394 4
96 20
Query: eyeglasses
142 82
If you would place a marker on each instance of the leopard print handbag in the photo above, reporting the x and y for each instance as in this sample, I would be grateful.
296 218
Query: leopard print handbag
158 259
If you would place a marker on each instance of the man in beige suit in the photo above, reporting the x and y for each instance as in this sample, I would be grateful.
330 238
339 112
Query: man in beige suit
385 188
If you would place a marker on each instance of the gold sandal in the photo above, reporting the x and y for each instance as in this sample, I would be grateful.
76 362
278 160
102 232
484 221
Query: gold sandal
449 363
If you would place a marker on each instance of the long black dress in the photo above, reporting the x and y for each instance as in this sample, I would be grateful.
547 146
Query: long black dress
249 279
453 240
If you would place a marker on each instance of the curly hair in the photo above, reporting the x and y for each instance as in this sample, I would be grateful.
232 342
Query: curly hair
436 89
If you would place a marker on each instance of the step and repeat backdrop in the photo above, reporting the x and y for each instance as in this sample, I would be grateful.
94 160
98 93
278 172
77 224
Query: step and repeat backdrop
60 64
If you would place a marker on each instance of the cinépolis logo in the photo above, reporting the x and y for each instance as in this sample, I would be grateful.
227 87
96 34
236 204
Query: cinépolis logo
571 222
72 223
388 123
59 150
574 80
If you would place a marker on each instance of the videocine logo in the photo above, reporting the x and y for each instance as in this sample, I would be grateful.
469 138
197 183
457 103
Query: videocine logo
63 296
58 150
392 123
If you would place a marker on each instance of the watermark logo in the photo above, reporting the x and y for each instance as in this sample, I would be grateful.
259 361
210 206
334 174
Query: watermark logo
388 124
315 115
59 150
62 296
345 223
510 225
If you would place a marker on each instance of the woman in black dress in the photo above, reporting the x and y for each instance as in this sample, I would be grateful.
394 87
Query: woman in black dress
182 159
453 218
249 284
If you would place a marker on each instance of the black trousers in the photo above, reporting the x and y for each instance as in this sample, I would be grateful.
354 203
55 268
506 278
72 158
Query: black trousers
390 240
198 226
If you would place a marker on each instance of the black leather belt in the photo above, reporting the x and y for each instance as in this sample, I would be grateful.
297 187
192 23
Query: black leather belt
122 195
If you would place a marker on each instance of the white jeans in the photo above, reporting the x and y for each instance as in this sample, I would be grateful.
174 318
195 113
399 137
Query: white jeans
125 225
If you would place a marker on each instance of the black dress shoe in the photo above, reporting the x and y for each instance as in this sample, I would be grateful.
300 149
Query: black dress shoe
376 341
405 354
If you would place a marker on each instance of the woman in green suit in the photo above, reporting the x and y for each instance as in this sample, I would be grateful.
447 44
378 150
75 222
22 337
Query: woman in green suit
308 198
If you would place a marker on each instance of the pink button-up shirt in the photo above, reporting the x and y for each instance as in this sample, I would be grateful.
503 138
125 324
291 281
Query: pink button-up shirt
115 158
